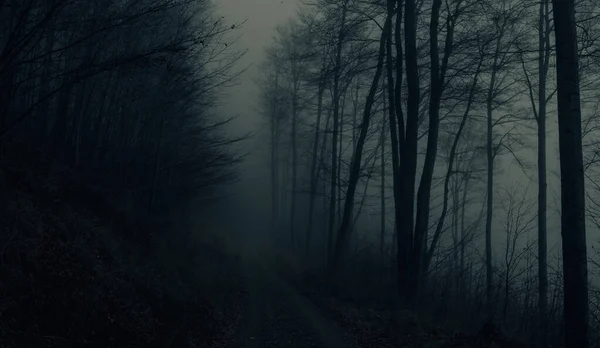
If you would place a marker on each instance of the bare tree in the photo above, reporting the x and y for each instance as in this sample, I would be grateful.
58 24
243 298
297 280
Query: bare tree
572 179
517 223
539 113
342 238
450 171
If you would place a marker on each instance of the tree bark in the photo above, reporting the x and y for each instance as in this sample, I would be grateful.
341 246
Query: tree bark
294 148
355 166
463 121
274 167
396 121
574 247
490 179
382 190
334 140
543 58
408 158
313 168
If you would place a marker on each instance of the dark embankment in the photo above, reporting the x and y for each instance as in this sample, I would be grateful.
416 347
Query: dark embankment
111 145
76 272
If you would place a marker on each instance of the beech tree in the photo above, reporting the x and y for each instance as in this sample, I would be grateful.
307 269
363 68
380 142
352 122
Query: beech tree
538 107
572 179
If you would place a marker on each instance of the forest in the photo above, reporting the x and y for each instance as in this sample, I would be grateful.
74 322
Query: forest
109 139
442 157
433 170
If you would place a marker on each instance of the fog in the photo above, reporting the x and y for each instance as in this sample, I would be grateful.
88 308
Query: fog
299 173
252 192
260 18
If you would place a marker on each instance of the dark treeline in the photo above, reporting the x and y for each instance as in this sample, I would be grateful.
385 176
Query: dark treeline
408 140
120 91
108 135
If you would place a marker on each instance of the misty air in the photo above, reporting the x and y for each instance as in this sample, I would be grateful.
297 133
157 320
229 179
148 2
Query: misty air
299 173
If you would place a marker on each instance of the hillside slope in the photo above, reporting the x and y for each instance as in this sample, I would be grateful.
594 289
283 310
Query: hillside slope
73 272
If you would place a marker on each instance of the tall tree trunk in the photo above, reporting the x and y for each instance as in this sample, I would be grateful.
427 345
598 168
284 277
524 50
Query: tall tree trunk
274 166
339 158
396 121
543 58
313 168
354 219
463 234
490 180
285 176
382 189
455 233
424 190
449 171
355 115
325 202
334 140
342 240
437 81
574 247
408 159
294 152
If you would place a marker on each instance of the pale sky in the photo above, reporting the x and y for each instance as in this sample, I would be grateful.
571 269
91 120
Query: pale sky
262 17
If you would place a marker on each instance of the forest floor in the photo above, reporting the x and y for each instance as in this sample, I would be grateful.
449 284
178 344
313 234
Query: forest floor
374 327
367 326
277 315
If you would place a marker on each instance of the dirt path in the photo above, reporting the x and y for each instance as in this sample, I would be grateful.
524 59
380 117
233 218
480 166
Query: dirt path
277 315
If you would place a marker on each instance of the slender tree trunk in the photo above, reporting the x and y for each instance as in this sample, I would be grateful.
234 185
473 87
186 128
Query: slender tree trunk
463 234
354 219
437 82
382 189
397 137
455 232
463 121
274 169
355 116
543 57
408 160
424 190
339 158
574 247
313 168
490 181
294 155
356 162
396 121
277 176
324 198
488 219
334 140
285 176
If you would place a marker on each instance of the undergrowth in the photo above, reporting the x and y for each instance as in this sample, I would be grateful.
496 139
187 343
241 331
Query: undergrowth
375 325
